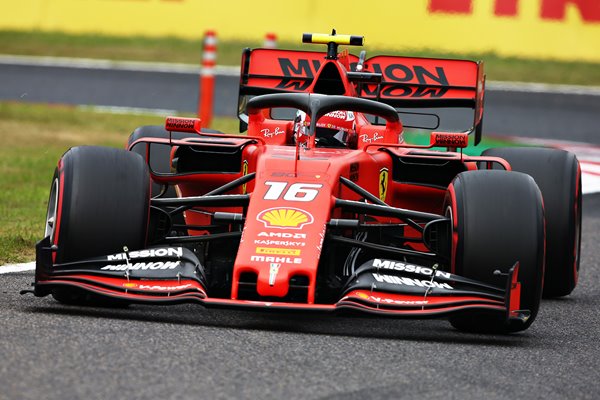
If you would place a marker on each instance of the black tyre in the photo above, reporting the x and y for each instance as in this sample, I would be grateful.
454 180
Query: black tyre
104 201
159 154
160 158
99 203
558 176
498 219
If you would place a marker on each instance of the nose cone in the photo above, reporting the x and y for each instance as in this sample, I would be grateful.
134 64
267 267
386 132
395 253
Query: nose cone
285 227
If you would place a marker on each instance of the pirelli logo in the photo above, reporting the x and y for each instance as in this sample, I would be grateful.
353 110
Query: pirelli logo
278 251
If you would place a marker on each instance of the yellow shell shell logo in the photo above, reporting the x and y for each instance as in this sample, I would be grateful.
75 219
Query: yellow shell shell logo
285 218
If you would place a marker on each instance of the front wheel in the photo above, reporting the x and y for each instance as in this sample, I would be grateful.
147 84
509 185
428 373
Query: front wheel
99 203
498 220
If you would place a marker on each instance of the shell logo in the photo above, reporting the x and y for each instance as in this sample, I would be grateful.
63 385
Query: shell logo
285 217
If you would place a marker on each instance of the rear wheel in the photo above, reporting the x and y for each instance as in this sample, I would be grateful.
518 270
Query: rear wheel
160 155
99 203
160 161
558 176
497 219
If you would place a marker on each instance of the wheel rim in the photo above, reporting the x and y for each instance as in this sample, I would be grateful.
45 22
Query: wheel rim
51 213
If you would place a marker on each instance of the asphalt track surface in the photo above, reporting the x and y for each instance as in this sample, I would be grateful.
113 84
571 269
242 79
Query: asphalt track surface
508 111
51 351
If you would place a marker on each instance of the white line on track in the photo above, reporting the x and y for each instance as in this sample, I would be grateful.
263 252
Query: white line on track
90 63
10 268
226 70
549 88
128 110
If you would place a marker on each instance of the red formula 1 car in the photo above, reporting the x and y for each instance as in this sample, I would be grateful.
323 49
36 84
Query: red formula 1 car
322 206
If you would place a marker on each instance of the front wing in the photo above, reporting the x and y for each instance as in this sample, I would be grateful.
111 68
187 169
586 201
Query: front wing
173 275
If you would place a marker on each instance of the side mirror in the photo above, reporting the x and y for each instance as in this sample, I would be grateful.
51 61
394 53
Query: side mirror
446 139
180 124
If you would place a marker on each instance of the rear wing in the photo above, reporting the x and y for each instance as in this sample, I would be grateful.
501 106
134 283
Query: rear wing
407 82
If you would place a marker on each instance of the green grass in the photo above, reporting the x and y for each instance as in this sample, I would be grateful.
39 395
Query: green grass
33 139
180 50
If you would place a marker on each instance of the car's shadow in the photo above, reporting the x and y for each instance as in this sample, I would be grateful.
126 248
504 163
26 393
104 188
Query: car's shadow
438 330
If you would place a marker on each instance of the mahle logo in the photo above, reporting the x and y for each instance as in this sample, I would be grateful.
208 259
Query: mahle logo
285 217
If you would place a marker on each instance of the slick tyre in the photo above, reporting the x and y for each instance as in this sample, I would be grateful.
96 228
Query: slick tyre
558 175
497 220
99 203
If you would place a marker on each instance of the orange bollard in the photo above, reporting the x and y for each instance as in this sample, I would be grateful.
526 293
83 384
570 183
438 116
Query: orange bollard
270 41
207 78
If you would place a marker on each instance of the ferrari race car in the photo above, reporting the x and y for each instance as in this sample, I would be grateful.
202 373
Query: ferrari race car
321 206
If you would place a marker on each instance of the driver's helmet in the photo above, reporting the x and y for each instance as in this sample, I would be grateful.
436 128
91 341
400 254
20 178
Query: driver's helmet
334 129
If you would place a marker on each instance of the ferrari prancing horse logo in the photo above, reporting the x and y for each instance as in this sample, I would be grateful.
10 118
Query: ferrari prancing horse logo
244 173
383 183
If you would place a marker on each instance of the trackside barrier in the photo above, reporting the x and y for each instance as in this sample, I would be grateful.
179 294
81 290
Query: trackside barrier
207 78
544 29
270 41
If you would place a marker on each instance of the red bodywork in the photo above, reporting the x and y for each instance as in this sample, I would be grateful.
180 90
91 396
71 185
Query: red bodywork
292 196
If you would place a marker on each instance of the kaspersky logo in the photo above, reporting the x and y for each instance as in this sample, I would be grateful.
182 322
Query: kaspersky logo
285 218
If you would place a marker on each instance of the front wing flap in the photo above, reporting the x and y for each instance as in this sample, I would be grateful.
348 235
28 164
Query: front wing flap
398 288
171 275
154 275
